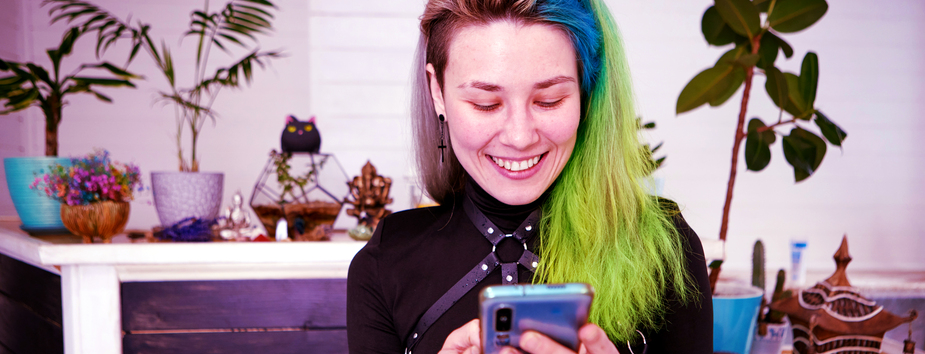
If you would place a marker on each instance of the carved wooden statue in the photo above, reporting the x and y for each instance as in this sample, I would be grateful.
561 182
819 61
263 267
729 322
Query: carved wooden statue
831 317
370 194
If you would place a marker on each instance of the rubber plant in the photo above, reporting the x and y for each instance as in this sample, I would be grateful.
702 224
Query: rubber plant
754 29
32 84
237 22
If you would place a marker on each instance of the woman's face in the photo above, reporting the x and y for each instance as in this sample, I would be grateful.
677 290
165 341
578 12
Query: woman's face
512 104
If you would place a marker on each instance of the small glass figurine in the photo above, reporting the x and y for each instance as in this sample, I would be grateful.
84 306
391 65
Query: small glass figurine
234 223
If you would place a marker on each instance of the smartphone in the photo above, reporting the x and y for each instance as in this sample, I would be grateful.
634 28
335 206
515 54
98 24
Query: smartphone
555 310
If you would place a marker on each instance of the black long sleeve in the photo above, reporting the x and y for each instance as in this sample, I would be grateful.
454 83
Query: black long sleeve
416 255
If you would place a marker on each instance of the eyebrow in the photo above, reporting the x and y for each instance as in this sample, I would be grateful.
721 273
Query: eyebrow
482 86
538 86
554 81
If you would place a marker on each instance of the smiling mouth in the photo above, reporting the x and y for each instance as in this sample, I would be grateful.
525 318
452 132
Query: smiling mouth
519 165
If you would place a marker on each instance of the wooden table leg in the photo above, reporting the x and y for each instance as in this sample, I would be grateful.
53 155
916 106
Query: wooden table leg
91 310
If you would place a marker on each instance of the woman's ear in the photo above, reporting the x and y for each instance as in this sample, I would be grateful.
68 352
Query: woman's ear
435 92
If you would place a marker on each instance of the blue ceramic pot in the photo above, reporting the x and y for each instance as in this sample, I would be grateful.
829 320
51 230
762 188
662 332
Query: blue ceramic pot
735 315
39 213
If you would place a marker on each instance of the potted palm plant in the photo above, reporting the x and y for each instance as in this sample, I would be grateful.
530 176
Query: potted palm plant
25 85
188 192
756 45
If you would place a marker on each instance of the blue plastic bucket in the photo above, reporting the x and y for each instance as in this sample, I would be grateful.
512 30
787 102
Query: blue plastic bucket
38 213
735 315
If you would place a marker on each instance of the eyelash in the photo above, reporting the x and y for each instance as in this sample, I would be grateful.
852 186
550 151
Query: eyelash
545 105
482 108
549 105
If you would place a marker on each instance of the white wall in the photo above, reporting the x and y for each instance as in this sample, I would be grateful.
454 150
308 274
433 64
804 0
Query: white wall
349 62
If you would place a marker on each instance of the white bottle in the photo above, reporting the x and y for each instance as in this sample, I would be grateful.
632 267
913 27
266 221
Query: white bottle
282 229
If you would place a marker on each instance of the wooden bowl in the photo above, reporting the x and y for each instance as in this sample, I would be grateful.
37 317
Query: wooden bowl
102 219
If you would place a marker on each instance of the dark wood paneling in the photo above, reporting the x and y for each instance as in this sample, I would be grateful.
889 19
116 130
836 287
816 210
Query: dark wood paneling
24 331
299 303
312 341
37 288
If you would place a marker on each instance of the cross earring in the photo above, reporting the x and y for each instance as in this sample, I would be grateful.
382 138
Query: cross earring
442 145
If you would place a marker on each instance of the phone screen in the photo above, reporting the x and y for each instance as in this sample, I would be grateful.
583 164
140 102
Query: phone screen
555 310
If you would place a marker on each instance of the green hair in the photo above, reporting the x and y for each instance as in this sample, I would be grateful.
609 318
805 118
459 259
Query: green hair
600 226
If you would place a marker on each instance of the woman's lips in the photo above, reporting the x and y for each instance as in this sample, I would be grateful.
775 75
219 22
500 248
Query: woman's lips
518 168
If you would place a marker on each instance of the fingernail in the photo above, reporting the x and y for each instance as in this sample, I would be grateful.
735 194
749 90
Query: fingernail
528 341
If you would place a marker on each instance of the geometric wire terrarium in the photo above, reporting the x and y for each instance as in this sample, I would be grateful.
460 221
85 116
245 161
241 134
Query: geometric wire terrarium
306 189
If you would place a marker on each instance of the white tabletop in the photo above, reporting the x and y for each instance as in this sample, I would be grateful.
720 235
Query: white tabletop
141 259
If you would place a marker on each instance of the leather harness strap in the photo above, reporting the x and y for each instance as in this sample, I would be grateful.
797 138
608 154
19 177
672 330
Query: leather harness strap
508 270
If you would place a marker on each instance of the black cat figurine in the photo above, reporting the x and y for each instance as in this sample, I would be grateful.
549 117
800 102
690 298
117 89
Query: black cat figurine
300 136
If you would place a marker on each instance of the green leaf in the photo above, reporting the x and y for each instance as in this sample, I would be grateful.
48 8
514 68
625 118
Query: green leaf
784 46
22 99
706 86
731 56
809 78
67 43
41 74
102 82
101 96
831 131
797 107
748 60
740 15
777 88
55 57
767 50
113 69
790 16
804 151
758 145
738 77
12 81
762 5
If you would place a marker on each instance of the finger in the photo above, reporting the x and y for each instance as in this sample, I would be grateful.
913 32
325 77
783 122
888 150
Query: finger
534 342
509 350
464 339
595 340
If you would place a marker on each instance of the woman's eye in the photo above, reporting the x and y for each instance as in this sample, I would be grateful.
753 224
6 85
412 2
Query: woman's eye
549 104
485 108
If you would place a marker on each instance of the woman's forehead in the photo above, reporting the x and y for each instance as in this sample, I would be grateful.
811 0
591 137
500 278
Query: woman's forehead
505 51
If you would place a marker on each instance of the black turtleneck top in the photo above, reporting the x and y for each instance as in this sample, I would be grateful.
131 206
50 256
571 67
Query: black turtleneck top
415 256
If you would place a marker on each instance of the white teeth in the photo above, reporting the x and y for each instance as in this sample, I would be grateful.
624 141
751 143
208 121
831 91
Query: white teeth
516 166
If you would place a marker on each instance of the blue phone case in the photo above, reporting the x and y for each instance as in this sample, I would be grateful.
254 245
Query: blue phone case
555 310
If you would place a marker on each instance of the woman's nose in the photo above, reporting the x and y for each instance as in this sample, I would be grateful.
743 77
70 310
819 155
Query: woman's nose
519 129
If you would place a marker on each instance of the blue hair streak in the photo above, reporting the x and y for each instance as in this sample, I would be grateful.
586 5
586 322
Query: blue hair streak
582 29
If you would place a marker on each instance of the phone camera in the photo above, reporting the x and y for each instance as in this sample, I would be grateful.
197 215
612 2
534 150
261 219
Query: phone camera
503 318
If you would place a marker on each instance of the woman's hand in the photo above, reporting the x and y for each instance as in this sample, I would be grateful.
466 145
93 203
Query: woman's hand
464 340
593 341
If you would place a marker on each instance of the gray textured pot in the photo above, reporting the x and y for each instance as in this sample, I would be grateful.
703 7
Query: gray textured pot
179 195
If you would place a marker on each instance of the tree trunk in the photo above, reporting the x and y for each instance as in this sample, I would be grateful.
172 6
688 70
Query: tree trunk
52 120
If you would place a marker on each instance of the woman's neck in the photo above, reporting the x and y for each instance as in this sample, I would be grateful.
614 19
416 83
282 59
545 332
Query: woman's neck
506 217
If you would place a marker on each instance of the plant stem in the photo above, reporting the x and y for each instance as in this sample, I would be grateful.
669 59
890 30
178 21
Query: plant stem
739 136
52 120
772 126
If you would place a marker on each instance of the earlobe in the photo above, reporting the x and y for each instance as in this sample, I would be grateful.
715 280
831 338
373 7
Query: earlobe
435 92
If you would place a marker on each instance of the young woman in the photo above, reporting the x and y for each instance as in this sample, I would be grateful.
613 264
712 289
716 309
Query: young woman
524 127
